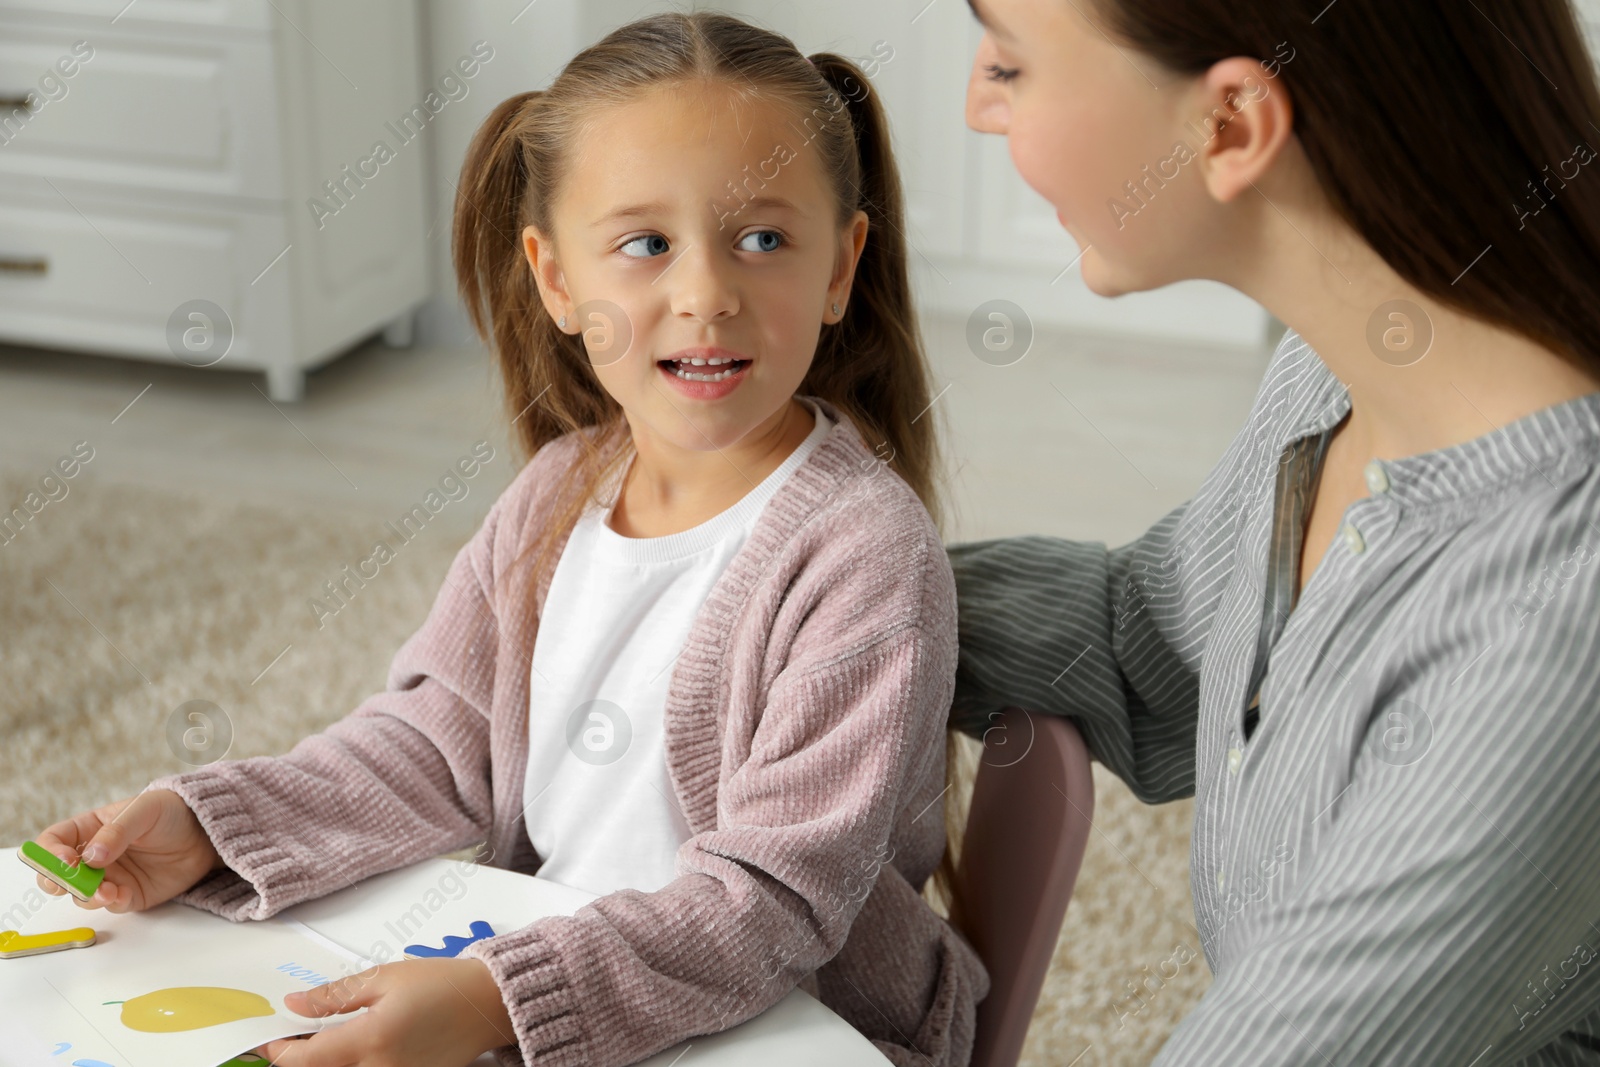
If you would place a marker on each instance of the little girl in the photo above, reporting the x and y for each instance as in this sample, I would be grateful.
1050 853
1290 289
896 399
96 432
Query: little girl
698 659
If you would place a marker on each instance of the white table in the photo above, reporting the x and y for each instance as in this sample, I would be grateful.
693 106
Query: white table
423 903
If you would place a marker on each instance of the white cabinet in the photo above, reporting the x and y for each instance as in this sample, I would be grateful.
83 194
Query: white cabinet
168 163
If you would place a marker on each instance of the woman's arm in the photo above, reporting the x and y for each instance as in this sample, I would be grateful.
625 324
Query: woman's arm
1108 639
1114 639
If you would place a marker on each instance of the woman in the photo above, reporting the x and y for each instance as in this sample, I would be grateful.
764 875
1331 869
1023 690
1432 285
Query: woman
1370 645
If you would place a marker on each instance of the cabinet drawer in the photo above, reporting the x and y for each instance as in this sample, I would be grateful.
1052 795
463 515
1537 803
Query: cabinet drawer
181 116
109 277
232 14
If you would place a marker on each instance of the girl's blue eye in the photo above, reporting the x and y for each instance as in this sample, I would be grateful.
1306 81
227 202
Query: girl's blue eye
766 241
653 244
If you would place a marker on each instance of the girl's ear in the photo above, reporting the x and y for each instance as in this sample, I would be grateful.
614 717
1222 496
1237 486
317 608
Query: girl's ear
852 239
540 253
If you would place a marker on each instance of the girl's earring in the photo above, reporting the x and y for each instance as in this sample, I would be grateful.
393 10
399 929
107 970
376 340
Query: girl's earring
836 309
563 322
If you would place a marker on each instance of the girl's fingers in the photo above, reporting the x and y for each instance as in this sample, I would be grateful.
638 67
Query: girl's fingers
112 897
137 818
69 841
334 1047
109 895
64 838
341 995
283 1052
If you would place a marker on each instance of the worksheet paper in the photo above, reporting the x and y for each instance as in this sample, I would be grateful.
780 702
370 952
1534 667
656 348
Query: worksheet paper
52 1010
170 987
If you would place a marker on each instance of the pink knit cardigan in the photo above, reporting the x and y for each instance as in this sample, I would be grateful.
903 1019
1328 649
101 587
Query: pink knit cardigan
805 736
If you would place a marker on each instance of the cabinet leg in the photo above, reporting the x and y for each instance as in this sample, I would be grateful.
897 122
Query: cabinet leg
401 330
286 384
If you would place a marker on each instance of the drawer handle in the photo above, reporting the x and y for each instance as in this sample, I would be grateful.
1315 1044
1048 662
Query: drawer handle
14 265
13 102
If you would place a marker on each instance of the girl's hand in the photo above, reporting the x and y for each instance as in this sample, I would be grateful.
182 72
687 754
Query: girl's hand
430 1013
151 846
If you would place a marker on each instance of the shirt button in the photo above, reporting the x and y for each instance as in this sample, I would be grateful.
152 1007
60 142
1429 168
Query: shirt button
1377 477
1234 758
1220 879
1353 539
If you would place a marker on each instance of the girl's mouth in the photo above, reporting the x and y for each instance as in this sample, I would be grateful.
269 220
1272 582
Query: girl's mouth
704 374
714 369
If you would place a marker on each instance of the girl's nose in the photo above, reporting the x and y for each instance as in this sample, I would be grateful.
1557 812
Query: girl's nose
988 108
700 286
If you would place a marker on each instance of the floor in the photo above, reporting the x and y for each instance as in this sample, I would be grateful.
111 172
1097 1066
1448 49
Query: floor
378 428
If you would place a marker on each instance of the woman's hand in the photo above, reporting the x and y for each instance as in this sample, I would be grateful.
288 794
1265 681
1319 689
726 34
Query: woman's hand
151 846
431 1013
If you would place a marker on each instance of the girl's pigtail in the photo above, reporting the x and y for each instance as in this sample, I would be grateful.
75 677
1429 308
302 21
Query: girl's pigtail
495 283
550 389
874 355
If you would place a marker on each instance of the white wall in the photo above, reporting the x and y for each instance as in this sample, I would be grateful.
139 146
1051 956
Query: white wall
978 231
531 44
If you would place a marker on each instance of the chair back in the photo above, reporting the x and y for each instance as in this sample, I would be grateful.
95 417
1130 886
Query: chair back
1032 807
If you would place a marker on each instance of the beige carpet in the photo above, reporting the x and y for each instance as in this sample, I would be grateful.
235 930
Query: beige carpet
118 604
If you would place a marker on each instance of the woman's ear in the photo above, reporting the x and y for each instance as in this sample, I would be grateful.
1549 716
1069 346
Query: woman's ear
852 239
1249 120
547 274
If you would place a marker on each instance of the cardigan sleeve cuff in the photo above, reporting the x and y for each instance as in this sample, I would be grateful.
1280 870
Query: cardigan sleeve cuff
538 995
260 878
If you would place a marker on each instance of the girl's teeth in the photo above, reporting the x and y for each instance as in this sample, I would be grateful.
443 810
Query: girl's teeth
678 370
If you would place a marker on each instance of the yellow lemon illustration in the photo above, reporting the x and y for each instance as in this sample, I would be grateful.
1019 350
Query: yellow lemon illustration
167 1011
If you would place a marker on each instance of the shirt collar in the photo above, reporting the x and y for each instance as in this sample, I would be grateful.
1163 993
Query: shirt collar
1550 444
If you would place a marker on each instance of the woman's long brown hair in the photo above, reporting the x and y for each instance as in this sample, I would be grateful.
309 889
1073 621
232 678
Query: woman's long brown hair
871 365
1450 135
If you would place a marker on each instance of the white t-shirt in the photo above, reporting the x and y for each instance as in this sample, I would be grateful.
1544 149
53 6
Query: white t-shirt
598 803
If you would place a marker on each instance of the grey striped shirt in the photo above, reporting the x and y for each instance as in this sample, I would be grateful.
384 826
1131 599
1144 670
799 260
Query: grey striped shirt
1396 856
